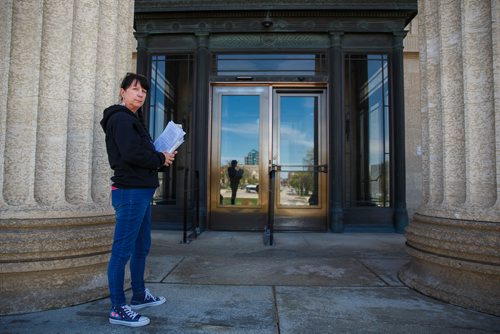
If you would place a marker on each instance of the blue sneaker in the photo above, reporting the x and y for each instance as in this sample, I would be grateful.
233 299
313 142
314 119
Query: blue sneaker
123 315
149 300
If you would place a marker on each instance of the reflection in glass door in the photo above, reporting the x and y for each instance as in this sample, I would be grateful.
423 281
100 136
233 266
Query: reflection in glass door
299 125
239 158
255 129
239 150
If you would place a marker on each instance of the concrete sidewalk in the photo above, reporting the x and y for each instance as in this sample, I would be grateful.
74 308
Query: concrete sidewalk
229 282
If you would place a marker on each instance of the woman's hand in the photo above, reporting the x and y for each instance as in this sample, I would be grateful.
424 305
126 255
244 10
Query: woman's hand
169 158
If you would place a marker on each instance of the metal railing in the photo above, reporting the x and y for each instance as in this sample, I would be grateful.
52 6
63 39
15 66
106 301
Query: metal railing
195 227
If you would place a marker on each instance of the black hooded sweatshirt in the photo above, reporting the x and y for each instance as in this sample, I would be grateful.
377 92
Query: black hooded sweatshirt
131 152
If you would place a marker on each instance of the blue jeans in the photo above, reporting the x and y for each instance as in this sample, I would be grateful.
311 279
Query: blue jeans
132 240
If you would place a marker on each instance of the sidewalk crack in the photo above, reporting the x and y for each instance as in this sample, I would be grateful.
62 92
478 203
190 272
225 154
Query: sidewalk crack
171 270
276 313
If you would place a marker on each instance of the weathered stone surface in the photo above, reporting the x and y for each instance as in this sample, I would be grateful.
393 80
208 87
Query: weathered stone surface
454 239
47 289
274 271
455 261
56 221
242 308
413 132
371 310
467 284
54 266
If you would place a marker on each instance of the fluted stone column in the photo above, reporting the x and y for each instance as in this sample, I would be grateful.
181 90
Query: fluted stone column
435 149
61 63
5 35
454 238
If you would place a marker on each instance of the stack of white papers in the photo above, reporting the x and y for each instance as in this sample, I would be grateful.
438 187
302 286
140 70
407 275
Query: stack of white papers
170 139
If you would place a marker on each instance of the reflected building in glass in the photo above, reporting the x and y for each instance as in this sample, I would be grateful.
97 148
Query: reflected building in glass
252 158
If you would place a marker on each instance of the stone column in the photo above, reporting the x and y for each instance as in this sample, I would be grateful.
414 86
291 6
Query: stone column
61 63
5 34
22 99
454 238
435 131
81 103
452 99
495 33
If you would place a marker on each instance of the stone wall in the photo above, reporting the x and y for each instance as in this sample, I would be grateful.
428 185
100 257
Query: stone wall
413 131
60 66
454 238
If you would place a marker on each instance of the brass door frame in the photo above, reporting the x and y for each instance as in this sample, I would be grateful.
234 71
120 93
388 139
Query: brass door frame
245 217
302 217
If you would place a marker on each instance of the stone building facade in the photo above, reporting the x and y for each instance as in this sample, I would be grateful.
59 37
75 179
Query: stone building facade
413 132
454 237
60 66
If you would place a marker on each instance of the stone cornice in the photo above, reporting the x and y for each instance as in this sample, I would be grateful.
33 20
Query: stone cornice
382 13
371 22
142 6
313 18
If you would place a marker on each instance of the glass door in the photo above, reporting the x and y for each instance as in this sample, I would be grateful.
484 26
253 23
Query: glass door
239 158
256 129
299 158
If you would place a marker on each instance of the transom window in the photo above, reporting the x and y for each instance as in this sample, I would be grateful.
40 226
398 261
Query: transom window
303 64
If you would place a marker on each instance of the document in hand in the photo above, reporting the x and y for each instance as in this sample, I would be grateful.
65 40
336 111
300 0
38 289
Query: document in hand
170 139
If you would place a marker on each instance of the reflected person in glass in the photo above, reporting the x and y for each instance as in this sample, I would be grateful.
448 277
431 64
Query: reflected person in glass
235 174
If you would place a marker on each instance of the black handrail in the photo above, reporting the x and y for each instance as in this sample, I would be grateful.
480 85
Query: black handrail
195 228
316 168
184 229
197 201
269 228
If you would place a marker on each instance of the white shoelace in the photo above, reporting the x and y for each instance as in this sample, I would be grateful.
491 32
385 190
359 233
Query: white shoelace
129 312
148 295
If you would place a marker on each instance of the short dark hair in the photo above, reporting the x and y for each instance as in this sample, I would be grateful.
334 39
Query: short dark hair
131 79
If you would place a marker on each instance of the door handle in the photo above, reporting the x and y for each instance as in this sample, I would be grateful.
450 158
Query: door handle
322 168
274 167
316 168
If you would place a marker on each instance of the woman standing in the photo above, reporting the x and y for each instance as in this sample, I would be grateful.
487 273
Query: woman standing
135 163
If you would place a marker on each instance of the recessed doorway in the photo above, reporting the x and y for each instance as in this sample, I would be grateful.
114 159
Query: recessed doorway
256 129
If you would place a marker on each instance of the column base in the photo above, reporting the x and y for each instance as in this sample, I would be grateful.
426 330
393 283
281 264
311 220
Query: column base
53 263
455 261
44 290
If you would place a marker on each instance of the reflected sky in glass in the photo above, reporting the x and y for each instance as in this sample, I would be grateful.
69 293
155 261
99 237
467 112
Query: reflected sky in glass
240 127
296 128
267 64
377 94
